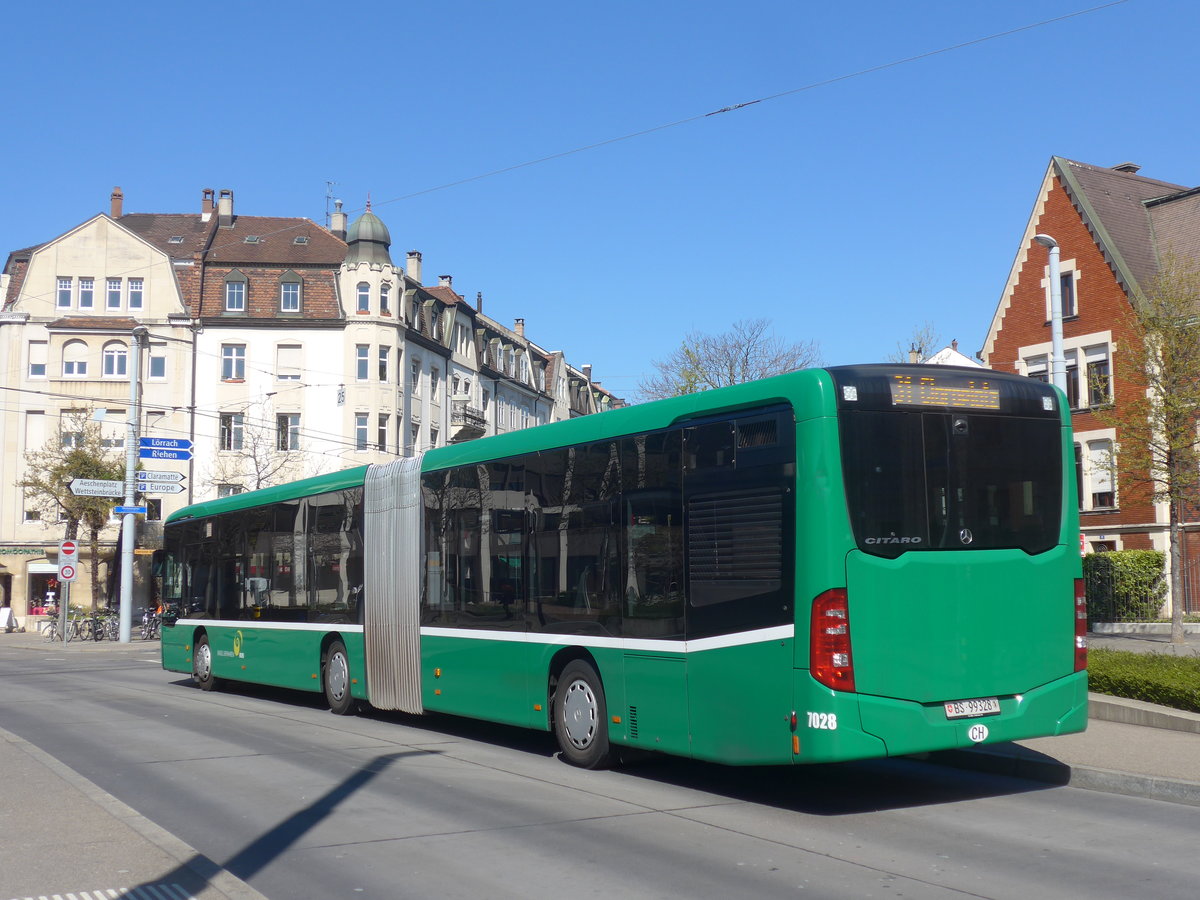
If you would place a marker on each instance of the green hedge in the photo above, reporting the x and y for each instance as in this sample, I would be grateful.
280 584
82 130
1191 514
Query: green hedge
1125 585
1153 677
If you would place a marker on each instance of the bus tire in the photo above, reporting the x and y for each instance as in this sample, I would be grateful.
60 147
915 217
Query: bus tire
581 717
335 675
202 660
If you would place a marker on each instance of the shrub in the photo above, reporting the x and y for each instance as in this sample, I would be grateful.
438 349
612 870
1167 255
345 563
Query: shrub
1155 678
1125 585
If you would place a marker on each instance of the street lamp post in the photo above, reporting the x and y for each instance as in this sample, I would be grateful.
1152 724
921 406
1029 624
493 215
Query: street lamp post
129 520
1058 362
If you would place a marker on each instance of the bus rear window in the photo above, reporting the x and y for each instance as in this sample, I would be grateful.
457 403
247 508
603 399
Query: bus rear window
951 480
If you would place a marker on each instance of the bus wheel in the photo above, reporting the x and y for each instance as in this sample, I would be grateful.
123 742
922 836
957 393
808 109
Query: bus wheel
581 717
336 675
202 672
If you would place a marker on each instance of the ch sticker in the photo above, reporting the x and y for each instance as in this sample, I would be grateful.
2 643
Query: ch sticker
977 733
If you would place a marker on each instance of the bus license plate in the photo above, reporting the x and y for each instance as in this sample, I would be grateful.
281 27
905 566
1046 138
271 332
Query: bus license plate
969 709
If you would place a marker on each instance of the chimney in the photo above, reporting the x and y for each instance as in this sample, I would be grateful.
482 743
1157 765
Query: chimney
519 327
913 356
446 281
116 199
337 221
1130 168
225 209
954 345
479 301
587 372
206 204
412 265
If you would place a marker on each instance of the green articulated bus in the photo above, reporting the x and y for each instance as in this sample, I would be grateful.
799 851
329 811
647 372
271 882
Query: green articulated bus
834 564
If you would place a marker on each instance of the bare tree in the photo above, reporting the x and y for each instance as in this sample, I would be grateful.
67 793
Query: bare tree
748 351
77 450
1156 417
925 341
256 451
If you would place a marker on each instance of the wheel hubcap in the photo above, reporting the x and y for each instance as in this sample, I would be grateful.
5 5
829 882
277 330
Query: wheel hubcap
337 676
579 714
203 662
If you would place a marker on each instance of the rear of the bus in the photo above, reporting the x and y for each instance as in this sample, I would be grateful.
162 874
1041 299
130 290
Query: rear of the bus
960 617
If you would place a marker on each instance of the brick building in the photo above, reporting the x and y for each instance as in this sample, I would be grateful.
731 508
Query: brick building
1113 226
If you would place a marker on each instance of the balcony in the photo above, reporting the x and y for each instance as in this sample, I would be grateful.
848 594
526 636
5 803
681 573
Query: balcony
466 422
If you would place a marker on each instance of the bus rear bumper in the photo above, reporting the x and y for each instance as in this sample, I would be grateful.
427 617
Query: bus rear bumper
905 727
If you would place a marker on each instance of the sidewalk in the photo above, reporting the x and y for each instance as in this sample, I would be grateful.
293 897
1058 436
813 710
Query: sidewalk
84 839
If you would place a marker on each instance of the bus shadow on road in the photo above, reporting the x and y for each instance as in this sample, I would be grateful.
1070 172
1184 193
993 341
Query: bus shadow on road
830 789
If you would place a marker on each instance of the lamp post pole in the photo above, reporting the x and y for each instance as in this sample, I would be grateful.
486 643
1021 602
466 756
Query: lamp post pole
129 520
1058 362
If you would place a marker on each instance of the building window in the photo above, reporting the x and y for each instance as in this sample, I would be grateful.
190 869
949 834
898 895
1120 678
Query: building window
435 323
233 431
153 509
1099 380
87 293
381 433
229 490
287 426
113 293
385 292
1072 370
1067 290
287 362
1100 474
289 297
384 355
38 351
362 361
433 436
235 292
158 361
64 293
116 360
136 293
414 378
364 297
415 432
75 359
435 383
360 432
233 362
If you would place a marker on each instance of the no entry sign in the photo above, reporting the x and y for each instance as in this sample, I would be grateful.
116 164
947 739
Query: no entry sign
68 558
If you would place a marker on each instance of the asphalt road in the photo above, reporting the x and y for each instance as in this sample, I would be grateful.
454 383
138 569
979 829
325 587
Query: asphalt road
303 804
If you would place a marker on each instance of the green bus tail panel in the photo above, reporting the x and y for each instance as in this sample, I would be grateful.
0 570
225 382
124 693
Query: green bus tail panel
956 625
1056 708
176 648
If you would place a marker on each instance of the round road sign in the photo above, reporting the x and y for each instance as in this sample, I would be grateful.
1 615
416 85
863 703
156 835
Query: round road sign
66 573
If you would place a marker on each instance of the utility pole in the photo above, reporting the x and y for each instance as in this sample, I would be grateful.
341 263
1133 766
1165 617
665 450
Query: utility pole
129 519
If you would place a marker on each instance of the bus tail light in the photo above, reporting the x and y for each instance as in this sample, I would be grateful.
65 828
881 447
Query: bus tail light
1080 626
829 641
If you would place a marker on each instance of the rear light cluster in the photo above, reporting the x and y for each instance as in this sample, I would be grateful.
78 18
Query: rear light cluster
830 661
1080 626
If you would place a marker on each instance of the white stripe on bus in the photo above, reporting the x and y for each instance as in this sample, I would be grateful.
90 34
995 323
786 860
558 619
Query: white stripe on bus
738 639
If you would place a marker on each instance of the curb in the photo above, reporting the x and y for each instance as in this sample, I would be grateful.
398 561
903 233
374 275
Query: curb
1016 761
211 874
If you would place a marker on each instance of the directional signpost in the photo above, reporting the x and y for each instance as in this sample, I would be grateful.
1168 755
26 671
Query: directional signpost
164 448
160 482
97 487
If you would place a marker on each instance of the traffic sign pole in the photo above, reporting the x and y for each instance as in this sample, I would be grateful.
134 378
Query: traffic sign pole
129 523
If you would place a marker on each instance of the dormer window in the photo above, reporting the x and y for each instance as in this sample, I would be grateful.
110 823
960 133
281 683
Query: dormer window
175 239
301 240
235 292
252 239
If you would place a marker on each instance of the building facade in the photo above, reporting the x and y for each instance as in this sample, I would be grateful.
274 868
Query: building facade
280 349
1113 227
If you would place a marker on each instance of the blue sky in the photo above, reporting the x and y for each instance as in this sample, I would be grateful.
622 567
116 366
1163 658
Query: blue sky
848 214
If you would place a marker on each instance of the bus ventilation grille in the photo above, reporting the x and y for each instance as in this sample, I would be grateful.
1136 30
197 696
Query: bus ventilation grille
632 723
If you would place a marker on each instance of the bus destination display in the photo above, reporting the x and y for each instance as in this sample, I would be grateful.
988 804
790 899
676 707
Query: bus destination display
955 393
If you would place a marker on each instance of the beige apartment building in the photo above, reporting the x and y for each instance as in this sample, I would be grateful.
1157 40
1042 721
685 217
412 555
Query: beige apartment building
279 348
